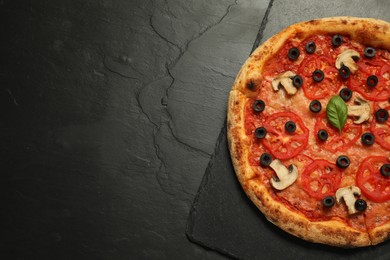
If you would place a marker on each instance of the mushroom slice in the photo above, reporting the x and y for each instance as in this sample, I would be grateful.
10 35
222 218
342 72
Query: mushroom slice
346 58
362 111
285 80
286 177
348 195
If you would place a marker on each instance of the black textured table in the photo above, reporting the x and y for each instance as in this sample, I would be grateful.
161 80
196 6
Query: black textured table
110 111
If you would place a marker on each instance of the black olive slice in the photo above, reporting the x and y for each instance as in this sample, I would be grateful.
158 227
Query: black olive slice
346 94
265 159
260 132
258 105
290 127
297 81
368 139
369 52
342 162
360 205
293 53
385 170
337 40
315 106
318 75
372 81
322 135
344 72
310 47
381 115
328 201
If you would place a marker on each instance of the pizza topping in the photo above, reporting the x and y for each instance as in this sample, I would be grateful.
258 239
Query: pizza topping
286 177
280 143
360 205
260 132
322 135
348 195
320 179
318 75
385 170
337 40
293 53
297 81
285 80
258 105
369 52
344 72
361 111
374 185
346 94
336 111
328 201
315 106
347 58
342 162
310 47
368 139
372 81
265 159
382 115
290 127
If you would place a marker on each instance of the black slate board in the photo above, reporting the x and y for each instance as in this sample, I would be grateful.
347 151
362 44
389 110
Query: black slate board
224 219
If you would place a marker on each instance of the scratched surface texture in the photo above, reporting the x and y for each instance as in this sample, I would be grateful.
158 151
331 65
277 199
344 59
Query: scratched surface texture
109 114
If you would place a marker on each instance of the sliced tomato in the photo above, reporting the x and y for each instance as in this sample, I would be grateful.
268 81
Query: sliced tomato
372 183
324 88
381 131
279 142
321 178
377 67
337 142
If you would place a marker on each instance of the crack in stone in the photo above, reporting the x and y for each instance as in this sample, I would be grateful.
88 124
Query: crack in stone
12 96
222 74
164 102
103 54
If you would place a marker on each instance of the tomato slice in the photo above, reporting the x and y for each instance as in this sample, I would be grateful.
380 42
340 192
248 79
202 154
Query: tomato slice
337 142
372 183
324 88
381 131
321 178
377 67
280 143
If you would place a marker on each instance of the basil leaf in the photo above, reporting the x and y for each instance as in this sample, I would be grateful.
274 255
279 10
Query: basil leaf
337 111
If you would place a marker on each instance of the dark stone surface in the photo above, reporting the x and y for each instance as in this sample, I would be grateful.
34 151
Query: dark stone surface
109 115
222 218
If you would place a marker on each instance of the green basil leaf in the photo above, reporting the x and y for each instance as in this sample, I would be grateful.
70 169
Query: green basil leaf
337 111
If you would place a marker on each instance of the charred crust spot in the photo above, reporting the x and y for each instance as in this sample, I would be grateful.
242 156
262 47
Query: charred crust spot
344 21
251 84
314 22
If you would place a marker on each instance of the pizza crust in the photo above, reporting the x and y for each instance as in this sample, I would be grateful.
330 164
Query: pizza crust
372 32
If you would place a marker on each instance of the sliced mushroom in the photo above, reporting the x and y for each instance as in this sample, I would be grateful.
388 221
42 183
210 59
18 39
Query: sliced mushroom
348 195
347 58
286 177
362 110
285 80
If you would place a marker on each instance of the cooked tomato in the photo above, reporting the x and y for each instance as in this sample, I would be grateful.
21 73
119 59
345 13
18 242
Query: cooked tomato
337 141
324 88
280 62
321 178
377 67
381 131
372 183
283 144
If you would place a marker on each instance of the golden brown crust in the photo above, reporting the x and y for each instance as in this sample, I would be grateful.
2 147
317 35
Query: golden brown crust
335 231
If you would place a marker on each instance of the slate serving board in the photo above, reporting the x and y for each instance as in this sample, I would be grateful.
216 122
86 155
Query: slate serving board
224 219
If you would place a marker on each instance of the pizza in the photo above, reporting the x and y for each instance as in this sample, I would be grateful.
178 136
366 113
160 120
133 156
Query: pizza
309 130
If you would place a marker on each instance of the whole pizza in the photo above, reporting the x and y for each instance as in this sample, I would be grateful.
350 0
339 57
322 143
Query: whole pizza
309 130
